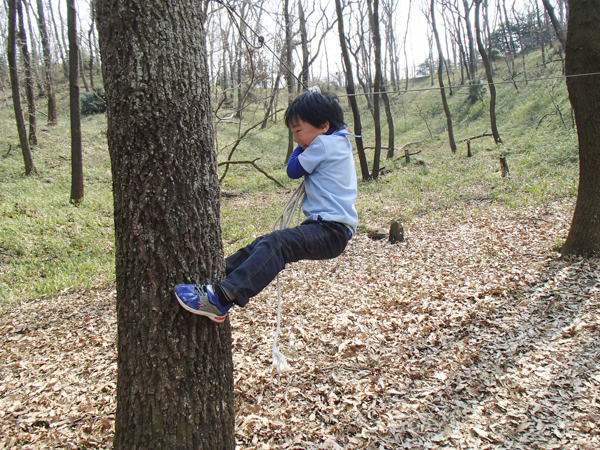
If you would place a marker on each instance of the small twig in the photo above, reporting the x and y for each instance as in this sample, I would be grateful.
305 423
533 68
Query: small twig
9 150
253 164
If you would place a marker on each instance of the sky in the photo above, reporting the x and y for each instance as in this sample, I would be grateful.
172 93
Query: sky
417 42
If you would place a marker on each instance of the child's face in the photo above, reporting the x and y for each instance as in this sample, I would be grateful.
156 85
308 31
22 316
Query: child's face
305 133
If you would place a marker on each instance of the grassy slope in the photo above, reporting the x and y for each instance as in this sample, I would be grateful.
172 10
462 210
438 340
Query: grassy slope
47 245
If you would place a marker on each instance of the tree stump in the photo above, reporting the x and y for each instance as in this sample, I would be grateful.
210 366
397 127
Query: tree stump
503 167
396 233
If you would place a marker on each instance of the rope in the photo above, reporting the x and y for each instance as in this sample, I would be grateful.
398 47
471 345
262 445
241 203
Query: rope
282 222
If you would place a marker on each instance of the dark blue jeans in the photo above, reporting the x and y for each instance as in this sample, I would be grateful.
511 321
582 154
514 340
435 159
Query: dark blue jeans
252 268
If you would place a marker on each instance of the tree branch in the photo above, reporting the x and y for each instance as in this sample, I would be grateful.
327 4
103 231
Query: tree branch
253 164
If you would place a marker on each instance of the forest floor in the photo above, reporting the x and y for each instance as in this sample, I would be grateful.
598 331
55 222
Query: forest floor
472 334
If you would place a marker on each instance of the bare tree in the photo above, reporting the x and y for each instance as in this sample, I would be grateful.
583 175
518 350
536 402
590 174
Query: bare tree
289 64
76 144
60 43
322 26
441 79
404 45
91 40
14 82
351 91
374 16
488 74
49 84
28 76
555 23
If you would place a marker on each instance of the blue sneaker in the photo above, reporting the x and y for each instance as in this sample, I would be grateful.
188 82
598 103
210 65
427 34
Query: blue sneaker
200 299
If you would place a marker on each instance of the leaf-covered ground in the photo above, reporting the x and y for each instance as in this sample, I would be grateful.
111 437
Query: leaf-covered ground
472 334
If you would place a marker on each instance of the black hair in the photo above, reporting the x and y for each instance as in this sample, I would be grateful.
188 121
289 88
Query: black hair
315 108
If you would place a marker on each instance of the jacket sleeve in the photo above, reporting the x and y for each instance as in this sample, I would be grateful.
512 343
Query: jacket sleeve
294 168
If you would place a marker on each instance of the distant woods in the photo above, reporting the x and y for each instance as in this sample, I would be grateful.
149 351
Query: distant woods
263 53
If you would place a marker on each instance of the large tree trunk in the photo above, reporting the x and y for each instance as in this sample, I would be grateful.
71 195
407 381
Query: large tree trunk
441 80
28 77
174 369
351 91
488 74
583 56
14 83
52 113
76 144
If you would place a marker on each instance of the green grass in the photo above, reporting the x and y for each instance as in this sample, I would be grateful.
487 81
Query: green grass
48 244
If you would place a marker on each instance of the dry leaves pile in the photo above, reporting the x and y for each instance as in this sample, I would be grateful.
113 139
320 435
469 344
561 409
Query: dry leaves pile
472 334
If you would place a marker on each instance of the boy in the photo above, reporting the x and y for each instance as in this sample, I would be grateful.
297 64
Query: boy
324 158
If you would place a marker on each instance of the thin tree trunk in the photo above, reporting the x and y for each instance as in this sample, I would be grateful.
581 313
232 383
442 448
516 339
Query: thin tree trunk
52 112
521 42
35 59
290 75
440 74
555 23
582 56
76 144
472 58
488 74
61 47
90 40
14 83
62 37
374 21
541 30
351 91
28 77
404 45
304 46
390 122
174 369
81 67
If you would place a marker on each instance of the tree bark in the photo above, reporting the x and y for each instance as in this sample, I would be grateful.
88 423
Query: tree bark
90 40
289 75
14 83
488 74
374 21
472 59
28 77
52 112
555 23
583 56
351 91
61 48
304 46
174 369
76 144
440 74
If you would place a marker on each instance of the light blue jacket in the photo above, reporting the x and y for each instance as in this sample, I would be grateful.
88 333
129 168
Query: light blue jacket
329 178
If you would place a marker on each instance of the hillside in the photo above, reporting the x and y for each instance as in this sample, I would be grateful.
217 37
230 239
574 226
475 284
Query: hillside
473 333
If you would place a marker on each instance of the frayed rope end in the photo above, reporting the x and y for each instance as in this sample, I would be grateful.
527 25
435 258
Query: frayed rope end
280 362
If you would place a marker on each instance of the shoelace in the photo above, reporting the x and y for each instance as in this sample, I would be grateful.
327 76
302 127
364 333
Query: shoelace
282 222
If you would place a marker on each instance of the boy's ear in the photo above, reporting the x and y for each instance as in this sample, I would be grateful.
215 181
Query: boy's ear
325 127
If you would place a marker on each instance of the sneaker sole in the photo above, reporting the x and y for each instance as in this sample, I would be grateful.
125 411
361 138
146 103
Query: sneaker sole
213 317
